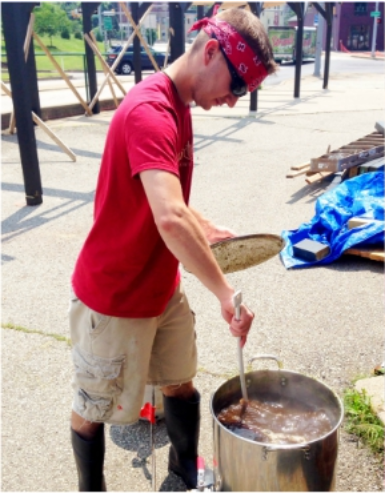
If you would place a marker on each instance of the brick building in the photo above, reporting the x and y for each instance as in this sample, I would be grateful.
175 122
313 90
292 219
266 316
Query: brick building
352 25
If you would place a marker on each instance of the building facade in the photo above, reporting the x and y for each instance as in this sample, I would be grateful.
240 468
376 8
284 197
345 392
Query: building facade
353 25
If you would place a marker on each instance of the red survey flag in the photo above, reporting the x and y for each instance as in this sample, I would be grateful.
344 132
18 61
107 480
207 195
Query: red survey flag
148 412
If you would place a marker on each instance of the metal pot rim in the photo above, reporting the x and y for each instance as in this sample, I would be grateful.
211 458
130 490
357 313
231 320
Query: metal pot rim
274 445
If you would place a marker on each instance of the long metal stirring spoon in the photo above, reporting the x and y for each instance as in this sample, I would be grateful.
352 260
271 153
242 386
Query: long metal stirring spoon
237 300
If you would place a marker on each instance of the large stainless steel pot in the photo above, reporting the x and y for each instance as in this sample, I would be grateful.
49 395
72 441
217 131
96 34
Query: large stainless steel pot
244 465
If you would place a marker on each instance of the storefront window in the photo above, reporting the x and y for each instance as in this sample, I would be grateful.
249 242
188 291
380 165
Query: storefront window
360 8
358 38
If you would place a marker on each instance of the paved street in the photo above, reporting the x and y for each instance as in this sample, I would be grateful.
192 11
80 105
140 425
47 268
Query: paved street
325 322
54 90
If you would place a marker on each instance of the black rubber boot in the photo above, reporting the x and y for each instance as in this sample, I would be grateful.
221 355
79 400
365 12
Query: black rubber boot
89 458
182 421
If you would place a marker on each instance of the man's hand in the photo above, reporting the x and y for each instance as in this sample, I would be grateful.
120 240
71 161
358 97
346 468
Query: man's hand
217 233
212 233
239 327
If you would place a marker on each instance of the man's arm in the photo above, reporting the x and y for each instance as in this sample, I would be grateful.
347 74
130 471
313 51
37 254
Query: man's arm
213 233
184 237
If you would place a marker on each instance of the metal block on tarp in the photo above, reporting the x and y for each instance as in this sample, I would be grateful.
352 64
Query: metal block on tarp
380 127
310 250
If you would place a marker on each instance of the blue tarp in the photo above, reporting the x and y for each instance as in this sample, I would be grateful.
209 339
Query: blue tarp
359 196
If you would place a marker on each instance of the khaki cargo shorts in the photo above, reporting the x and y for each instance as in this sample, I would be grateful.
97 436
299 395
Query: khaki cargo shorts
115 358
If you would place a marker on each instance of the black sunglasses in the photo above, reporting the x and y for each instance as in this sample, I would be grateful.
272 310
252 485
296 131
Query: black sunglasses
238 86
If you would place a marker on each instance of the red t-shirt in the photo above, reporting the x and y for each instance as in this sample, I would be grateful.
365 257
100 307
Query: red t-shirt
124 268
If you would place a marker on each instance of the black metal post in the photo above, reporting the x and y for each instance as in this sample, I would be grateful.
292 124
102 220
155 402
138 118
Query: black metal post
200 12
328 16
32 79
256 9
299 9
14 25
143 7
89 8
177 24
329 23
85 70
137 55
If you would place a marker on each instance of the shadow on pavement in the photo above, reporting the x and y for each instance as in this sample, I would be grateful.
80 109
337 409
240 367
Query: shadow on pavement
137 438
19 222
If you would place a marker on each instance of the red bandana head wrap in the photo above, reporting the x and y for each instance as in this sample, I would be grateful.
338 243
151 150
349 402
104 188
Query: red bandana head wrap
242 57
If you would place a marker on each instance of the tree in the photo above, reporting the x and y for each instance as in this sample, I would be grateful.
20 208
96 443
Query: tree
50 19
151 36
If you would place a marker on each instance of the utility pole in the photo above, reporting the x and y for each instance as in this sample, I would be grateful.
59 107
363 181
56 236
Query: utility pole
318 53
374 40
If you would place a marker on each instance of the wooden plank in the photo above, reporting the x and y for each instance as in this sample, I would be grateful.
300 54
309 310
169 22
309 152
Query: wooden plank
12 123
6 90
105 66
53 136
142 40
298 173
300 167
352 172
45 127
62 73
171 33
119 57
104 69
317 177
28 36
374 255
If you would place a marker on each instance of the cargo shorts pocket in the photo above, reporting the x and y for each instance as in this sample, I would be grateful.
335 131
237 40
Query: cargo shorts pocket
98 381
97 322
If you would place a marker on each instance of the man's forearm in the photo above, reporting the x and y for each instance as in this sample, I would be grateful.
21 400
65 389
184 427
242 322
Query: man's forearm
185 237
205 224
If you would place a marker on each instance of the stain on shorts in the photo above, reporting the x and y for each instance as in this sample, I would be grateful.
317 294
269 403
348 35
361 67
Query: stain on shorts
98 381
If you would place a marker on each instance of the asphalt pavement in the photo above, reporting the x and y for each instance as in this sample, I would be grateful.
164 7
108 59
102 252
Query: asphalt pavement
325 322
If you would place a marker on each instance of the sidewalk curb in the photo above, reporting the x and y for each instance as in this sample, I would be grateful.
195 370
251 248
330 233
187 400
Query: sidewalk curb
369 57
57 112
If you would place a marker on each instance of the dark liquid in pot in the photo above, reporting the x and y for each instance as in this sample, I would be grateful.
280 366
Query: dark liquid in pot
283 422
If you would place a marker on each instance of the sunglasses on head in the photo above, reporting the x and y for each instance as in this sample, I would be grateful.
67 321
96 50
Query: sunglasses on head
238 87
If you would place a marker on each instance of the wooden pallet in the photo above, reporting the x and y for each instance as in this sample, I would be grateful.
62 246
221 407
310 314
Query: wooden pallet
373 254
366 145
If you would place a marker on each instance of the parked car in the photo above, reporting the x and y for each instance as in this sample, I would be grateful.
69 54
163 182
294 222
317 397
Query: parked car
126 64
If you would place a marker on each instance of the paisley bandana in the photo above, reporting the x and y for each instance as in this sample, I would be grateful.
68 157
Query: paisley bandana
242 57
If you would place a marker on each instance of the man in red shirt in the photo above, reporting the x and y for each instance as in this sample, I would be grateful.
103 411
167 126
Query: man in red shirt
130 319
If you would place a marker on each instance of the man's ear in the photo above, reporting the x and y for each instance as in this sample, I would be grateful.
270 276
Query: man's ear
211 48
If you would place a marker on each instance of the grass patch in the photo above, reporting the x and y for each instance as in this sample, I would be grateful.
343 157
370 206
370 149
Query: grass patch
56 336
362 421
68 53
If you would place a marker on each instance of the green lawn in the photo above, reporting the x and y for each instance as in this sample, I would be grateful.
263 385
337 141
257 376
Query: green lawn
69 53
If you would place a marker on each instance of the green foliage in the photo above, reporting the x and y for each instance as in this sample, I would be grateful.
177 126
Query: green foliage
78 35
362 421
65 34
98 35
70 63
50 19
95 20
77 25
68 7
151 36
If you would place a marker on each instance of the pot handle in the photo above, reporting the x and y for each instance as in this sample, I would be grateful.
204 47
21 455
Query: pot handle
267 357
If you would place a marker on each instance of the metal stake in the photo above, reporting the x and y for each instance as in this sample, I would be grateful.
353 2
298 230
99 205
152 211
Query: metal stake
153 459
